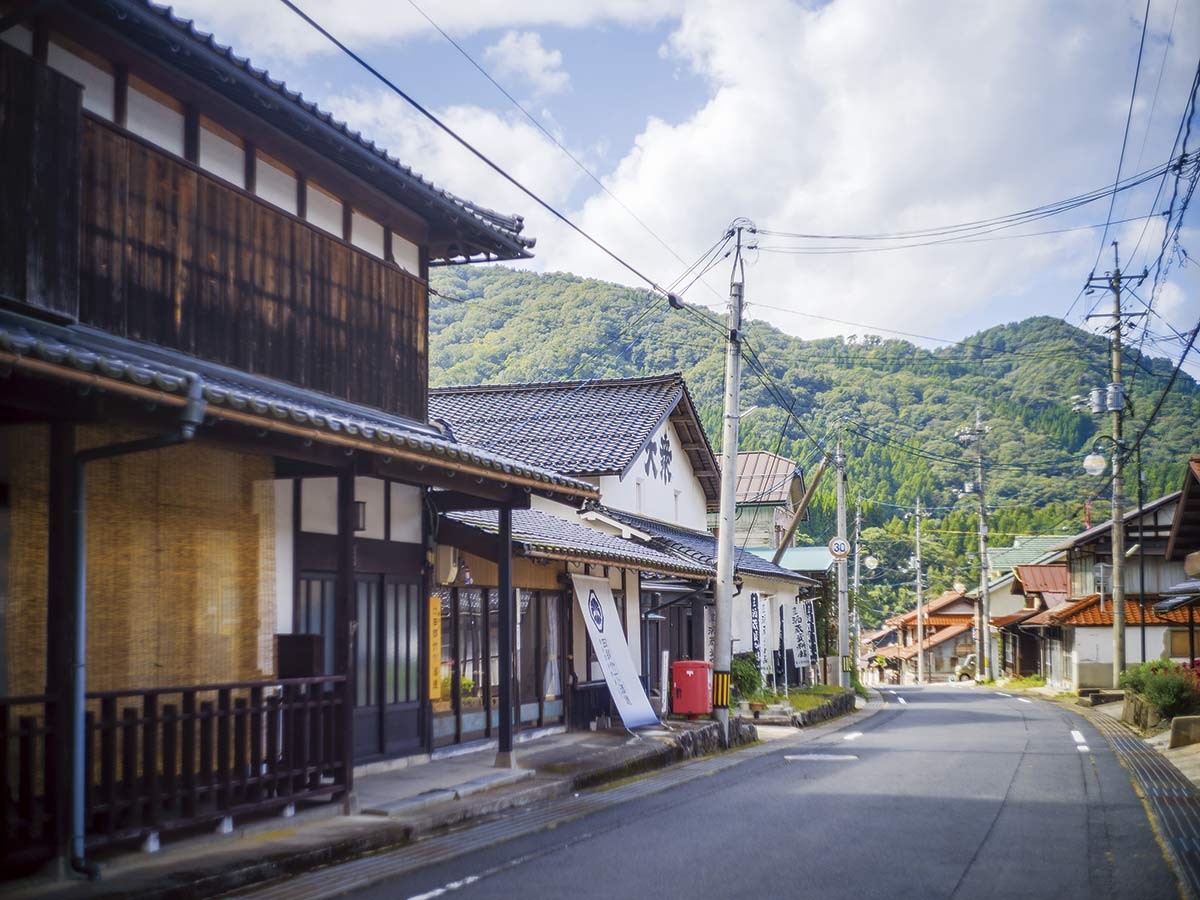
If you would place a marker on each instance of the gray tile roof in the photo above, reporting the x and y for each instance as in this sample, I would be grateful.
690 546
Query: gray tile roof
585 428
181 45
701 546
80 349
541 533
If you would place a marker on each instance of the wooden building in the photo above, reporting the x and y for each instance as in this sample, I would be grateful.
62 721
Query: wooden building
218 483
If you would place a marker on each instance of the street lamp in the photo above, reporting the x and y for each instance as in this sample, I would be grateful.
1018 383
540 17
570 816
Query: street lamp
1095 463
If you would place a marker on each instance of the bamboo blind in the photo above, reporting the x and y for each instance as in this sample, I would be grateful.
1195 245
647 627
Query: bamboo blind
181 564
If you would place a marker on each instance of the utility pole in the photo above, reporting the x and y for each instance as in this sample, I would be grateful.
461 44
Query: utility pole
857 574
843 588
1114 402
920 605
723 593
985 667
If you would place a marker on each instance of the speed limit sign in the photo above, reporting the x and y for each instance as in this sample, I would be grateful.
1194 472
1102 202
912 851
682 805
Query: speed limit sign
839 548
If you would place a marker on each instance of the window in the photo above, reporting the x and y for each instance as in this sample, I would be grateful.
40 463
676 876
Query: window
366 234
154 116
323 210
275 183
94 75
1179 644
406 254
222 153
637 496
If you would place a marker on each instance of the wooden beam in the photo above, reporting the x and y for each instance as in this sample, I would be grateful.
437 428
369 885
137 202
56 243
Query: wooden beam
450 501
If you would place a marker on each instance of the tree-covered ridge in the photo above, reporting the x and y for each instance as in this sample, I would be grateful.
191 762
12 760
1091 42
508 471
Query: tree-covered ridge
897 405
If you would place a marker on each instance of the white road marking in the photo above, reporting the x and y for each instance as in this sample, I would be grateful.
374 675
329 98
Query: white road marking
1077 737
1024 699
998 694
450 886
853 736
893 693
800 757
902 700
1082 748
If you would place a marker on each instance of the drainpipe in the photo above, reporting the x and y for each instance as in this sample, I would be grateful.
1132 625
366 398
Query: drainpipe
191 417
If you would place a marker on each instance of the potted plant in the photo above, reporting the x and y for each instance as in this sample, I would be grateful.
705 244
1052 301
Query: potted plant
756 707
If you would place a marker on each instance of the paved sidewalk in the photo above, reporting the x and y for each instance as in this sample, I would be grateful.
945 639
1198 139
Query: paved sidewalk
394 808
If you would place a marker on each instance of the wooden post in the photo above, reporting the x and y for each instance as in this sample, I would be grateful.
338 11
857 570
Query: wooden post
346 623
60 621
504 756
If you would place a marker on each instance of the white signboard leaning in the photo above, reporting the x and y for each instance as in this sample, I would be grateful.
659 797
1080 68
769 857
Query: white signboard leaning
612 652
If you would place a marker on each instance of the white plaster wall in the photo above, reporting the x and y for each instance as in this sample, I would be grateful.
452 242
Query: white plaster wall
222 157
659 499
284 557
407 254
154 121
406 513
275 185
366 234
318 508
322 210
1094 643
318 505
97 84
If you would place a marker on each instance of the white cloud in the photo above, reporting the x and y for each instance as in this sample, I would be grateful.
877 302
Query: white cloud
520 54
852 118
269 30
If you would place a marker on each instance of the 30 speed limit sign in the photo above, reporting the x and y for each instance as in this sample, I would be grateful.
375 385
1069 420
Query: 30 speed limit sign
839 548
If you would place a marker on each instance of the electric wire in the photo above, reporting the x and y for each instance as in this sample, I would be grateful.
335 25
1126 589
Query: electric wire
474 151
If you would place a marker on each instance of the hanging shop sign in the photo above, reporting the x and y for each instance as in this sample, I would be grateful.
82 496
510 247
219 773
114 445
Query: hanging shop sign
612 652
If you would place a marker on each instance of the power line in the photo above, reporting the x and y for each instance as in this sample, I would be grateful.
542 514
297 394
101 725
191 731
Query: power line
1137 71
1008 220
469 147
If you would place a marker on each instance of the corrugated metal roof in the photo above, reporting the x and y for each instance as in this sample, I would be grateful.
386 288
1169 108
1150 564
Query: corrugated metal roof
211 62
586 428
82 349
549 535
765 478
1036 579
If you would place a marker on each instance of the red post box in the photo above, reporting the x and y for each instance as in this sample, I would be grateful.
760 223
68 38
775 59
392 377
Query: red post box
691 694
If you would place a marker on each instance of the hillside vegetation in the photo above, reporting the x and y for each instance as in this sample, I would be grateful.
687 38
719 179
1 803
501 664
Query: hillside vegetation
897 406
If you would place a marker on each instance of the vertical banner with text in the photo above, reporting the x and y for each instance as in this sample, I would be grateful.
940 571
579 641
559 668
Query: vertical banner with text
612 652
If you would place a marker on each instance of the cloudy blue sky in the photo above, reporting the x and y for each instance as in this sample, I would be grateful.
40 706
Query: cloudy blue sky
843 117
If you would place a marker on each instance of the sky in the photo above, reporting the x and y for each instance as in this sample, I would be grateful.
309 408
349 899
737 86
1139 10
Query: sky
847 117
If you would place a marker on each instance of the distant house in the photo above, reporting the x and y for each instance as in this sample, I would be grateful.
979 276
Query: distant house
769 488
949 620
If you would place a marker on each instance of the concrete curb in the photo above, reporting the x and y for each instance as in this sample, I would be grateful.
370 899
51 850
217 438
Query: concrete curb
252 863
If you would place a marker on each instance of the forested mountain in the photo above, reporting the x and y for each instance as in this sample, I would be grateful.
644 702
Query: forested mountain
896 405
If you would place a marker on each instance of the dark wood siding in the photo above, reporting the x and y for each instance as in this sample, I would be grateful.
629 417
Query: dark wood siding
39 184
174 256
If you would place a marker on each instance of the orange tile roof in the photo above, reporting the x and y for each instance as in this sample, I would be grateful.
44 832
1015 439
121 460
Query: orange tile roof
1045 617
1001 621
949 619
1087 612
932 606
938 637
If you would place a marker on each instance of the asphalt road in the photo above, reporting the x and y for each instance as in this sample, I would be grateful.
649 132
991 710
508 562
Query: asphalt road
957 792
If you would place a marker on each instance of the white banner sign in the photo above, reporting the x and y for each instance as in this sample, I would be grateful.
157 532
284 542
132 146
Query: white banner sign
797 635
612 652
